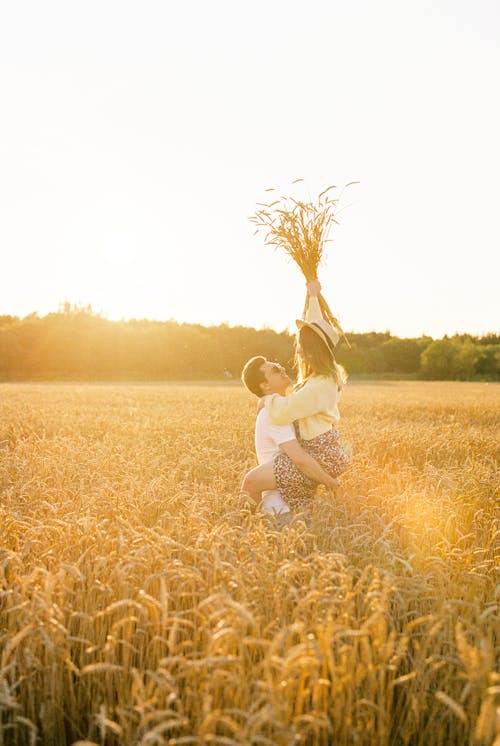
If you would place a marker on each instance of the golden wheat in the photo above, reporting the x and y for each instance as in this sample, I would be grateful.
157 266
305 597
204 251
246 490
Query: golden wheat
138 605
301 228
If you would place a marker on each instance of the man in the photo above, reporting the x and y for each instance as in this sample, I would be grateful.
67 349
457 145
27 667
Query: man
262 377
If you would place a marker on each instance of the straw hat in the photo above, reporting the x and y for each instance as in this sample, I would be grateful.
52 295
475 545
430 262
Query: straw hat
323 329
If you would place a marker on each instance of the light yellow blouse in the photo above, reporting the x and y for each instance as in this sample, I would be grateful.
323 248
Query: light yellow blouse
314 406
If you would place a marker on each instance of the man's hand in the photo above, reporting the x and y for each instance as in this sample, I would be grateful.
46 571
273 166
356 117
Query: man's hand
332 483
307 464
314 288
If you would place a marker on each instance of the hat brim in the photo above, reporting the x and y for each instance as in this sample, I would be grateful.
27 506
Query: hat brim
301 323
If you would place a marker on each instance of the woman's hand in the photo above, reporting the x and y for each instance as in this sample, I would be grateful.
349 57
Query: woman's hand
314 288
260 405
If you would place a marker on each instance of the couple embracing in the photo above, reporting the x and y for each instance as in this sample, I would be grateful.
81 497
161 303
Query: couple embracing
296 441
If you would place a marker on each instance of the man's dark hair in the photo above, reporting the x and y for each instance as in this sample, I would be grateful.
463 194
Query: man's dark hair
252 376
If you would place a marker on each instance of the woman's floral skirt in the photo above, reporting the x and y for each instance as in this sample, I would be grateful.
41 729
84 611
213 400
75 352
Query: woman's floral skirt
297 489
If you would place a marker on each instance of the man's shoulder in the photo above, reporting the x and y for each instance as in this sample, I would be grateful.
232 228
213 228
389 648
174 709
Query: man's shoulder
262 414
262 420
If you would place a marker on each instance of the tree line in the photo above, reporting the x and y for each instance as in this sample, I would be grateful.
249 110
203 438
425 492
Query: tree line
77 344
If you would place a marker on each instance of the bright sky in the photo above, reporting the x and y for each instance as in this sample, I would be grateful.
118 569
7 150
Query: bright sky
136 138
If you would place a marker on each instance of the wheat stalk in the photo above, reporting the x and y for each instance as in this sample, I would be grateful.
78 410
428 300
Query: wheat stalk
139 606
301 229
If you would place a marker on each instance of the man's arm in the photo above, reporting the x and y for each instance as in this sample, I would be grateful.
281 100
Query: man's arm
307 464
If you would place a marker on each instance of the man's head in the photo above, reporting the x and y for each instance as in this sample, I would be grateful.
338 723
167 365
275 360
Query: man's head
262 377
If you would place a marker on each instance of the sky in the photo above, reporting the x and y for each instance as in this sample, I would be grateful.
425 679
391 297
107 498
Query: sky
137 137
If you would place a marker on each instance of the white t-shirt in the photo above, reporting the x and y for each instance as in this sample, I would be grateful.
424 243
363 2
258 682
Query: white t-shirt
268 438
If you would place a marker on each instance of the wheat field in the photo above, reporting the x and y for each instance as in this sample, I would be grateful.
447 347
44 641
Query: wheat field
139 605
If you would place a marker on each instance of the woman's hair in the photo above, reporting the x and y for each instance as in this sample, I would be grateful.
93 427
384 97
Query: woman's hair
315 358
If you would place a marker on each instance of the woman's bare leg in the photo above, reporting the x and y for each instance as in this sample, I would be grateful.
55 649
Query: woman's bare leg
259 479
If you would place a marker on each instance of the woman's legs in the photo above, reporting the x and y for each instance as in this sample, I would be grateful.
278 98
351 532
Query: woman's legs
259 479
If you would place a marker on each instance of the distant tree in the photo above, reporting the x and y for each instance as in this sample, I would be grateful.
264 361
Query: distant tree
488 339
488 362
375 361
436 360
10 352
401 355
450 359
369 339
8 321
352 358
465 360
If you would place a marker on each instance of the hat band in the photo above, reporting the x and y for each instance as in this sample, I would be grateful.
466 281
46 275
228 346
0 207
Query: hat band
325 337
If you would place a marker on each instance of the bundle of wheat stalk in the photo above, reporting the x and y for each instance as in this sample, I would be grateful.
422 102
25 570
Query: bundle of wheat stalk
302 230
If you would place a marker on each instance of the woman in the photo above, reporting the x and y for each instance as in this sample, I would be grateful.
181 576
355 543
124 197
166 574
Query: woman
313 409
